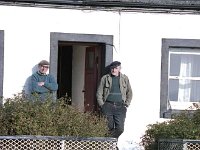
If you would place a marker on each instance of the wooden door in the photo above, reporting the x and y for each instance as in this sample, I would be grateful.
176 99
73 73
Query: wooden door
92 73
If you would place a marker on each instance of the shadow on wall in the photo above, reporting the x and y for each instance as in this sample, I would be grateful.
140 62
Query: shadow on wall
106 70
27 85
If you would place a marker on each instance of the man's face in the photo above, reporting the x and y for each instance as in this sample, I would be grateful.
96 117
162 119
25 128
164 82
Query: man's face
44 68
115 71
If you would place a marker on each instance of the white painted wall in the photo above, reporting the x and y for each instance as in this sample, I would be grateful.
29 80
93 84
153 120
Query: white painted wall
137 39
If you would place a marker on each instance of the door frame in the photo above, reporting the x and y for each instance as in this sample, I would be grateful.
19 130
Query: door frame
55 37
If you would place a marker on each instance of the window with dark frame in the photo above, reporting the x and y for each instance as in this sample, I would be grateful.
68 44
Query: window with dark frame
180 76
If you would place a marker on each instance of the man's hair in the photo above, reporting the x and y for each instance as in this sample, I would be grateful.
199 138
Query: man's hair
115 64
43 62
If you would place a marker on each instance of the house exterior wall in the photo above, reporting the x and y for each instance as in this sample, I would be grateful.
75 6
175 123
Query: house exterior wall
137 44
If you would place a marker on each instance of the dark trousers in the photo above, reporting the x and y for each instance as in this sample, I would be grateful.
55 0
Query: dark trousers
115 114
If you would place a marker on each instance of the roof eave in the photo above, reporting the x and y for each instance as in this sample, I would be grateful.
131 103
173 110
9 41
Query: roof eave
124 5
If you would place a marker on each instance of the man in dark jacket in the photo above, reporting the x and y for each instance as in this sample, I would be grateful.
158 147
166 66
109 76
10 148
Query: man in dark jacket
114 95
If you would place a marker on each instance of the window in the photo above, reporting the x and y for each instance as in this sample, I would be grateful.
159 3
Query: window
180 76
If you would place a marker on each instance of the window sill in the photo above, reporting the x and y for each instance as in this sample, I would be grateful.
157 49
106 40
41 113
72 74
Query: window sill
171 113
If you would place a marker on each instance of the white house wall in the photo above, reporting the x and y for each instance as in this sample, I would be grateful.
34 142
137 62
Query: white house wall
137 41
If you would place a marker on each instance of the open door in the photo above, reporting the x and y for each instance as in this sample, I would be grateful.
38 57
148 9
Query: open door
92 75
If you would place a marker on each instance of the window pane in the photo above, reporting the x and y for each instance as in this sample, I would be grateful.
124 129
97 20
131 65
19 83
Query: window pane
195 91
175 61
184 90
173 90
185 65
90 61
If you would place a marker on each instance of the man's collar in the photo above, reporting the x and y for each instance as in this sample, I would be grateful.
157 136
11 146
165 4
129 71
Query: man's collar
40 73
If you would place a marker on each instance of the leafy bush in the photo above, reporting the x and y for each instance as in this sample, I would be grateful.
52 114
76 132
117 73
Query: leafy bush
20 116
183 126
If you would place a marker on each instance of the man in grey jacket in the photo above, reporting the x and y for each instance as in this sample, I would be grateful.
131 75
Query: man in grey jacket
114 95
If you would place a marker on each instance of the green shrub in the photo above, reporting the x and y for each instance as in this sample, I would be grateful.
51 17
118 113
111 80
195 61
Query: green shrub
20 116
183 126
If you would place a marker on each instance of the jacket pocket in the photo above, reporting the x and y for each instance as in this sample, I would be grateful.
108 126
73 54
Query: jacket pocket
106 88
124 85
107 84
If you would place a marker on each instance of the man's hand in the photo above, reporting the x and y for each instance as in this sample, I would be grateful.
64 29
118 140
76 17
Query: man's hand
40 83
126 105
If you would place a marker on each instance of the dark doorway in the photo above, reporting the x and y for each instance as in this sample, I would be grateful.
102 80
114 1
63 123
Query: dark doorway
91 73
64 76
